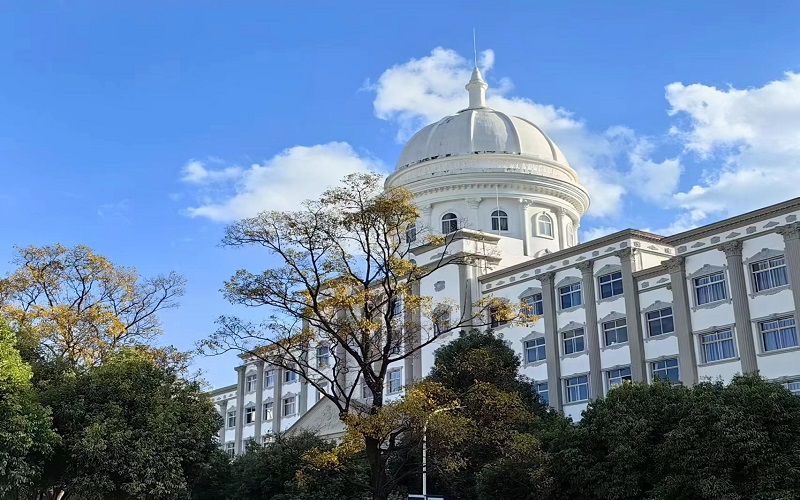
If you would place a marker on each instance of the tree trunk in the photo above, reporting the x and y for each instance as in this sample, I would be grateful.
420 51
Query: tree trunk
378 481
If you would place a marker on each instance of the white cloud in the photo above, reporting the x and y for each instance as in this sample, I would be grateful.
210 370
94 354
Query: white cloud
597 232
195 172
281 183
650 179
754 134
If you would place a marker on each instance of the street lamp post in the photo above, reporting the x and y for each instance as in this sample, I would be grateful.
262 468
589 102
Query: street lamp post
425 448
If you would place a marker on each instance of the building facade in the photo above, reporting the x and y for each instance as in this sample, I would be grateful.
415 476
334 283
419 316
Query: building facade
705 304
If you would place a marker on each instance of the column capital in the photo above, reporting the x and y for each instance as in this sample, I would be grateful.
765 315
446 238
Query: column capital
473 202
426 209
625 253
525 202
789 231
546 278
586 267
675 265
732 248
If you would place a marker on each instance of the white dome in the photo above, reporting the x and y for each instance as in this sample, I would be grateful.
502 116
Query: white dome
479 130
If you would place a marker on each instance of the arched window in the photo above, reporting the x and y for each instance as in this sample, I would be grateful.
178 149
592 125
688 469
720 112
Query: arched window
449 223
570 234
545 225
411 233
499 221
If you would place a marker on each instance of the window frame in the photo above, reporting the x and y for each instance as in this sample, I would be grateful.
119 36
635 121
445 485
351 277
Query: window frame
545 218
532 304
494 321
660 320
715 340
411 233
536 347
616 327
250 381
666 369
390 381
293 400
622 377
323 360
777 329
249 415
268 411
452 223
230 419
573 340
290 376
577 386
612 280
769 272
499 220
793 386
269 379
723 283
230 449
544 395
572 291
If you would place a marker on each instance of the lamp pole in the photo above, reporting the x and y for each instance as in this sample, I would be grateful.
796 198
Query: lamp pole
425 448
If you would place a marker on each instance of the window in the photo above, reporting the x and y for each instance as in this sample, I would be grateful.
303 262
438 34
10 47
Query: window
573 341
250 382
717 346
710 288
395 381
323 355
570 234
269 378
396 346
230 449
499 221
778 334
449 223
610 285
232 418
769 273
441 320
660 322
534 350
617 377
615 331
533 305
570 295
249 415
366 393
289 376
577 389
396 306
289 406
666 370
411 233
545 225
793 387
268 410
543 392
495 317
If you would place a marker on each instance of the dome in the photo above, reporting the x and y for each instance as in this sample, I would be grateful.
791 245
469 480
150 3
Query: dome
479 129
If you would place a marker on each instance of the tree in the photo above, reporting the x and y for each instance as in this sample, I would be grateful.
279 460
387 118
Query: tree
26 435
344 264
214 480
710 441
81 306
130 429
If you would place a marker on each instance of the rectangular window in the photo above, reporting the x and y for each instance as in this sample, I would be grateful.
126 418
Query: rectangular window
366 393
666 370
269 379
543 392
769 273
717 346
711 288
441 320
395 381
778 334
396 306
289 406
268 410
574 341
230 449
577 389
289 376
534 350
323 356
610 285
617 377
660 322
495 318
615 332
250 382
793 387
232 418
249 415
570 295
533 305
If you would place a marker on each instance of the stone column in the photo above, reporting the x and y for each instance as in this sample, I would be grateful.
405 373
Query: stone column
427 217
741 308
551 340
277 400
627 258
239 410
560 213
525 220
224 408
474 221
791 238
414 362
683 321
259 399
592 335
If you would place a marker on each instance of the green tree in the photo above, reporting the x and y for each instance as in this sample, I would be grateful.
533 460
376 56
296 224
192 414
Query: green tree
711 441
214 479
130 429
26 436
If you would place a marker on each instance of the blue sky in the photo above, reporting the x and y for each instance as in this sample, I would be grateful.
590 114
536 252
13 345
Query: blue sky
139 128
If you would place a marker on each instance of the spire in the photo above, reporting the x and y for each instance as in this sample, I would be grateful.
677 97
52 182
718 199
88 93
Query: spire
477 90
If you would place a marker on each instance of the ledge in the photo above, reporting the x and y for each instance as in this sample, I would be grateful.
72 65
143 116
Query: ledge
720 362
711 305
649 338
785 350
769 291
613 347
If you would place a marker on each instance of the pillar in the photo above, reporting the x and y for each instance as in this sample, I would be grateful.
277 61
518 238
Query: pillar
791 237
427 217
592 335
551 340
627 258
525 220
474 221
224 408
259 399
741 308
687 361
562 242
239 411
277 401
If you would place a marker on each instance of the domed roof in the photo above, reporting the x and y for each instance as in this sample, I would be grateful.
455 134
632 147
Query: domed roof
479 129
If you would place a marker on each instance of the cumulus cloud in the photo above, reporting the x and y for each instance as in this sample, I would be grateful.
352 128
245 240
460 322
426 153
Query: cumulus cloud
750 136
280 183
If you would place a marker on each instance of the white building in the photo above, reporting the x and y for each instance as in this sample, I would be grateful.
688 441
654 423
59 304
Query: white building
704 304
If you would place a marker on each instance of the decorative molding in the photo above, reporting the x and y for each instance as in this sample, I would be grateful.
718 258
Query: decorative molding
531 336
764 254
612 316
531 290
732 248
628 253
750 230
715 328
439 286
675 264
706 270
572 325
546 279
473 203
789 231
585 267
656 306
608 269
770 291
774 316
569 280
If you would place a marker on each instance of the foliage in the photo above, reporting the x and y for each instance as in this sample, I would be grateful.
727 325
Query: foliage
26 437
81 306
214 479
130 429
710 441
